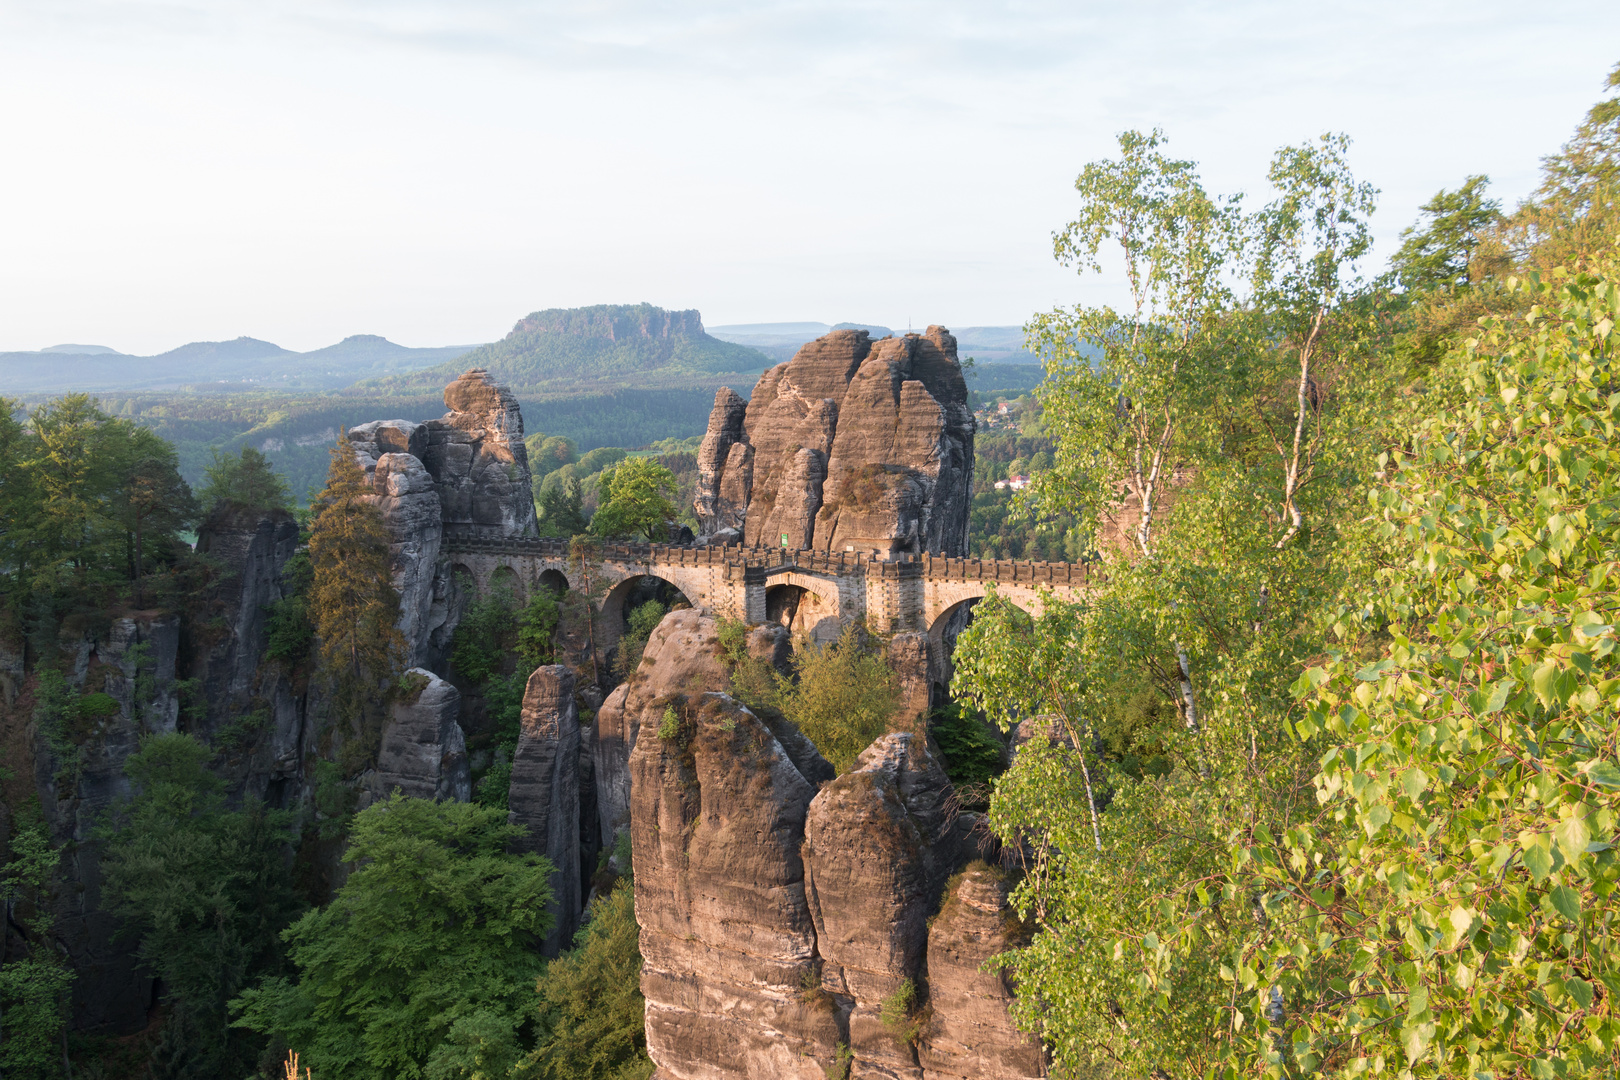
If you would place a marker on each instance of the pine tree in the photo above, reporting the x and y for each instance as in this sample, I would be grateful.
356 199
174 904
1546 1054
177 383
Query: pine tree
352 602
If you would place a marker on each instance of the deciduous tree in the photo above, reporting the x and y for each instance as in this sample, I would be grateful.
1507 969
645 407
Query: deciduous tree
434 937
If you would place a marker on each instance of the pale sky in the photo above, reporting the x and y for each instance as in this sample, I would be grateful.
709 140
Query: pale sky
302 170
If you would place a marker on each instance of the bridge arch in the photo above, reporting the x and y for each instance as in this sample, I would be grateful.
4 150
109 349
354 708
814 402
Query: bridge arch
554 581
505 579
630 592
944 629
807 604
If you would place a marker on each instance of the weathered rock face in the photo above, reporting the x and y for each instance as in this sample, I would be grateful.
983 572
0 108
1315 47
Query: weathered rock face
970 1033
252 546
409 501
424 751
467 468
779 906
718 504
851 444
476 456
727 937
545 792
879 842
682 655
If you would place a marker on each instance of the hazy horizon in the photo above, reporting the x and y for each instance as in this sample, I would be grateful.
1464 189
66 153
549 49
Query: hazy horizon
298 172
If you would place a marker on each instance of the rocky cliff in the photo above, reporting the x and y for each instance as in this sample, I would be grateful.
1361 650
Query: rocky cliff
466 469
545 792
853 444
780 906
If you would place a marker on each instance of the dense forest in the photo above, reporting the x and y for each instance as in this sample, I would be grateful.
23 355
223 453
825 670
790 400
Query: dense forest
1324 771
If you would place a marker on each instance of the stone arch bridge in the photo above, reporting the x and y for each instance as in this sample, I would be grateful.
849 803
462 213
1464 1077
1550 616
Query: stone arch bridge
817 592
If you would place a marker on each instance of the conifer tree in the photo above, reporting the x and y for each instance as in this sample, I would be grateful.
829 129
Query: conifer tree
247 478
352 602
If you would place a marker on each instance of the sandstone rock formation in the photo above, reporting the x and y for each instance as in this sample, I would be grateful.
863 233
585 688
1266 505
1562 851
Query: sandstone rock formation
251 546
851 444
424 751
878 845
780 906
545 792
467 469
476 455
727 940
970 1033
683 653
409 502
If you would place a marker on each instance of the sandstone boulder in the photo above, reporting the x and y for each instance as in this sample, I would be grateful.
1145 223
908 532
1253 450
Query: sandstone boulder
545 792
424 751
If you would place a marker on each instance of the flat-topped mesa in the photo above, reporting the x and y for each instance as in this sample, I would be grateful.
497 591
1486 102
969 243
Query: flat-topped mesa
853 445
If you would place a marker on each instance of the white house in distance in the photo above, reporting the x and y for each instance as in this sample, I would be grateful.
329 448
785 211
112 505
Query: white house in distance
1016 483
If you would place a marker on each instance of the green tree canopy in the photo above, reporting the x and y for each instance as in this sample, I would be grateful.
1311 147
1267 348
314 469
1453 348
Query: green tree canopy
1439 251
203 891
34 980
434 940
562 510
637 499
247 479
1450 910
591 1008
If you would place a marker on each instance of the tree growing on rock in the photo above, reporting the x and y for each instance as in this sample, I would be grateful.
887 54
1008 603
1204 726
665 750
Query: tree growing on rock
352 602
246 479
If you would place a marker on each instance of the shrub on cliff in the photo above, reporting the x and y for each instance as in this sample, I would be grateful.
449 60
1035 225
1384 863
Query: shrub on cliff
433 940
842 698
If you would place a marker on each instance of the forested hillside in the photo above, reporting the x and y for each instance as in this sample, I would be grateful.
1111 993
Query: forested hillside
1318 777
598 349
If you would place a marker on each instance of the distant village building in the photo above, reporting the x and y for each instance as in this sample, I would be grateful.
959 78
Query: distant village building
1016 483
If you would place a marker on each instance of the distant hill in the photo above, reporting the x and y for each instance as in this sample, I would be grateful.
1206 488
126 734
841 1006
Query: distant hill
82 350
211 367
779 341
607 347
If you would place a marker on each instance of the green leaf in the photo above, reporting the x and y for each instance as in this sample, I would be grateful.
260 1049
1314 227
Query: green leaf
1415 1040
1499 695
1414 781
1573 836
1602 773
1538 860
1580 990
1567 902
